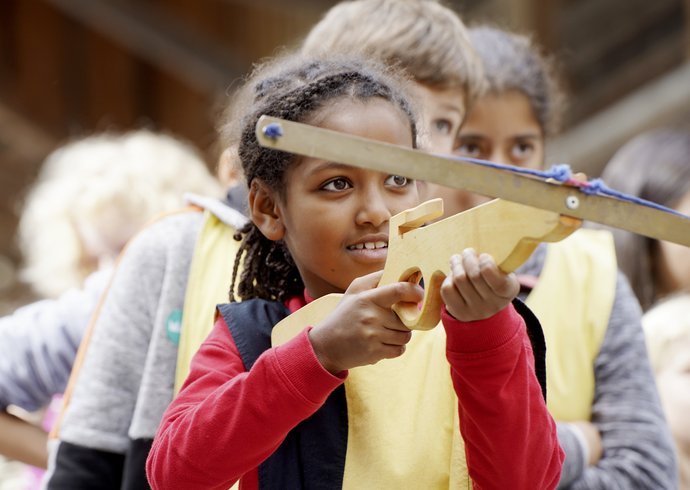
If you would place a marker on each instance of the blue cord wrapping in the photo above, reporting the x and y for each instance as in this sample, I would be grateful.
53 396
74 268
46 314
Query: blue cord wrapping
562 173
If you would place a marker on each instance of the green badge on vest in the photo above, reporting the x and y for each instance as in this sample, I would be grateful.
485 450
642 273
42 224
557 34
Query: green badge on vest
173 325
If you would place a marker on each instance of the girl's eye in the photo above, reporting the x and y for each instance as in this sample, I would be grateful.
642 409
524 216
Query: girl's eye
469 149
442 126
522 150
398 181
336 185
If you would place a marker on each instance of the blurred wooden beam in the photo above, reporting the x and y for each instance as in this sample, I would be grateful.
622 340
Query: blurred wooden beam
288 7
687 28
604 37
23 146
22 139
532 17
160 39
588 146
607 86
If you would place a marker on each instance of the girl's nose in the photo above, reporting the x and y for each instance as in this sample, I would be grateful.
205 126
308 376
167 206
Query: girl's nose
498 156
373 208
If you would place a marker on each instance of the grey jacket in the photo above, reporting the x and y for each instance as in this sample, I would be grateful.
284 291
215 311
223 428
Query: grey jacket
39 341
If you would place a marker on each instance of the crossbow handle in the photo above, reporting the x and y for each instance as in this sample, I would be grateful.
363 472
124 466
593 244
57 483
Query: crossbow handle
507 231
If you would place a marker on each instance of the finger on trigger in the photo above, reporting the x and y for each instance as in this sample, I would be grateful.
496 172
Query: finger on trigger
406 292
369 281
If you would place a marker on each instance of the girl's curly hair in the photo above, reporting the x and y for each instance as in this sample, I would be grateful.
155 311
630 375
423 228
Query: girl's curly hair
294 88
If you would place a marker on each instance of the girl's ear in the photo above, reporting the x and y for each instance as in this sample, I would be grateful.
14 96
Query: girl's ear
264 210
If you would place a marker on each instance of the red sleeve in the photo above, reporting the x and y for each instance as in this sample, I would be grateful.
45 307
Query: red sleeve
510 438
226 421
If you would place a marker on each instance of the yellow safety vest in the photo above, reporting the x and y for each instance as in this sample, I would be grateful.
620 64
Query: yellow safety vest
414 442
573 300
208 284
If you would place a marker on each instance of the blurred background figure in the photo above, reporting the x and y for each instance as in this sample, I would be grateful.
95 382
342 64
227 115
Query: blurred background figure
654 166
92 195
667 328
600 386
90 198
522 108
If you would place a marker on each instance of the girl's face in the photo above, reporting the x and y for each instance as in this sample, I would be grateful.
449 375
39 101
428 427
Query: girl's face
335 217
442 113
501 128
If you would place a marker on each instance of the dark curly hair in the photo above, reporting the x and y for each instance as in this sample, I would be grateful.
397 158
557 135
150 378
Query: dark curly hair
294 88
514 61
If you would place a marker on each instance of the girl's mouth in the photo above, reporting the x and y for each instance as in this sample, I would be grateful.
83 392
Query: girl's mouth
368 245
371 252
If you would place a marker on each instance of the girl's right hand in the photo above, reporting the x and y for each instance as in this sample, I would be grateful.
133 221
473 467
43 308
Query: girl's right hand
363 329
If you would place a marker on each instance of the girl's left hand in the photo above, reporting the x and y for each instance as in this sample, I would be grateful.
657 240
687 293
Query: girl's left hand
476 288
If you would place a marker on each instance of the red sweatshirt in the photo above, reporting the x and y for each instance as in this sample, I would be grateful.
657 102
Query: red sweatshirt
510 439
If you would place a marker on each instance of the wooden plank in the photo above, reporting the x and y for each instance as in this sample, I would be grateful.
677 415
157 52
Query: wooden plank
589 27
284 8
687 29
315 142
628 75
38 83
8 25
609 129
22 138
23 147
535 17
189 116
113 84
160 39
609 45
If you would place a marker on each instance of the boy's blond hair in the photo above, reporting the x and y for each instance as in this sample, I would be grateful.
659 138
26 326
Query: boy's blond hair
424 37
514 61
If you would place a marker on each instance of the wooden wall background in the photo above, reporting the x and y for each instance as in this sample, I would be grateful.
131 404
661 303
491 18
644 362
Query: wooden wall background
72 67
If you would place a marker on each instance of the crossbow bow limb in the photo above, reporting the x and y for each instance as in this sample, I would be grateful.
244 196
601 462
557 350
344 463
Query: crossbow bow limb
564 199
528 211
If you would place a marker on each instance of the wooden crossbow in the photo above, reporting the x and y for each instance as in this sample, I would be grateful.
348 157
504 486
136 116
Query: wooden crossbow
528 211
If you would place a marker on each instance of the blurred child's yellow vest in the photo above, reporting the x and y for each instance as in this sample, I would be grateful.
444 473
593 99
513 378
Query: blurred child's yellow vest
573 300
208 284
